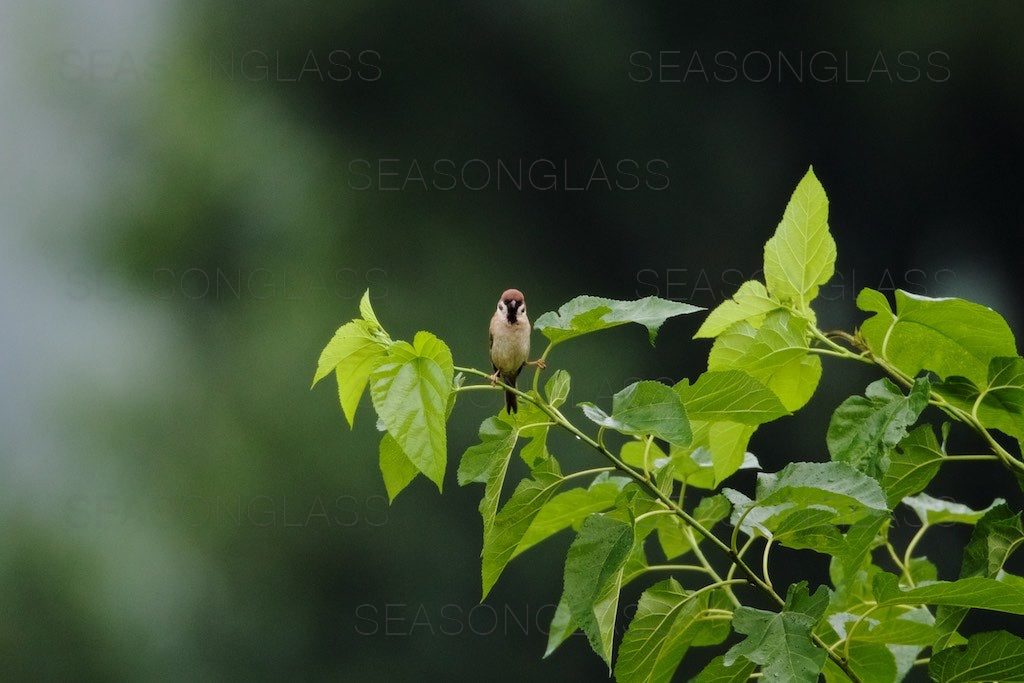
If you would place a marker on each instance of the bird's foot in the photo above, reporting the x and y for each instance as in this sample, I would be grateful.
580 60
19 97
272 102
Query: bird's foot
539 363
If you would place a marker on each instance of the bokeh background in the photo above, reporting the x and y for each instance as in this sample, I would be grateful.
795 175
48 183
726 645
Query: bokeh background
194 196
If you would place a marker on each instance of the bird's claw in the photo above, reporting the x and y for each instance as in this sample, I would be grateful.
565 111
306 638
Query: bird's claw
539 363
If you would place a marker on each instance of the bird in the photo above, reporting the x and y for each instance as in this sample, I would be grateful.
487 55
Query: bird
510 343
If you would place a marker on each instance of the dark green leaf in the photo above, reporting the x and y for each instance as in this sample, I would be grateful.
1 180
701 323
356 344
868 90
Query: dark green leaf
586 314
991 656
659 634
593 576
717 672
562 626
849 493
912 464
569 508
503 538
864 430
994 538
974 592
781 642
999 402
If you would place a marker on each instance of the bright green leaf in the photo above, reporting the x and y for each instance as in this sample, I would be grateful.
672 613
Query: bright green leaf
557 388
780 642
775 354
352 353
586 314
946 336
593 576
864 429
730 395
410 391
645 408
801 255
991 656
750 303
396 468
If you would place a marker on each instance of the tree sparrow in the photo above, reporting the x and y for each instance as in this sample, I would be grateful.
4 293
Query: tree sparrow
510 342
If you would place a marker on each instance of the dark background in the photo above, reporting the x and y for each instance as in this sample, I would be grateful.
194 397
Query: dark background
195 196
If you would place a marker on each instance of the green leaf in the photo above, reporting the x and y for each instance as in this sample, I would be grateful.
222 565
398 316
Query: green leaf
848 493
557 388
750 303
935 511
885 628
497 439
672 535
396 468
912 464
366 310
503 538
872 662
645 408
946 336
593 576
586 314
994 538
974 592
849 568
781 642
352 353
801 255
999 402
717 672
775 354
410 391
718 450
659 634
991 656
562 626
864 430
570 508
730 395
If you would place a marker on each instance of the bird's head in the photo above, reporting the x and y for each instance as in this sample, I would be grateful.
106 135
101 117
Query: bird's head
512 305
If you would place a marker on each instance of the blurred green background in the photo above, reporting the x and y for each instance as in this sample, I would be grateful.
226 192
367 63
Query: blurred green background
194 196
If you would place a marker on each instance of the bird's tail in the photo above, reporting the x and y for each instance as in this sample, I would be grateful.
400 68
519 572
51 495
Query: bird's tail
511 402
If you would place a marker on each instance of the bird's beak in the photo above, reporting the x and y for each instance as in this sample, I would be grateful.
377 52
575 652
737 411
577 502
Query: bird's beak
511 308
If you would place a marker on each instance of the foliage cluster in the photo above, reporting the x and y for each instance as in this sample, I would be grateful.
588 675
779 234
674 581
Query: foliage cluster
655 507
